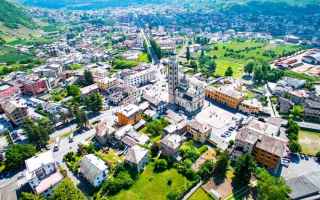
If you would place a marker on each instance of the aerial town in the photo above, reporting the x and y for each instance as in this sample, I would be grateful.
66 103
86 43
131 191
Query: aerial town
145 102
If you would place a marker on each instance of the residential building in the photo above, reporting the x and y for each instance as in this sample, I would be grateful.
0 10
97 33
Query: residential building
199 131
291 82
42 173
170 144
139 75
93 169
16 111
123 94
259 139
312 109
250 106
33 85
127 136
106 83
130 114
89 89
104 132
137 157
226 95
8 91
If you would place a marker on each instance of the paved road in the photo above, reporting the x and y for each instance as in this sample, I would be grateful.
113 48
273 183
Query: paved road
146 38
274 112
105 115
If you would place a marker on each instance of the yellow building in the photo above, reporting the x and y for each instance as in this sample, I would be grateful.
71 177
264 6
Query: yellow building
128 115
225 95
106 83
200 132
252 106
268 151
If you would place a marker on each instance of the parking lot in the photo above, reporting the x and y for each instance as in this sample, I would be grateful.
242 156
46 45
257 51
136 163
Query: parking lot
223 123
300 165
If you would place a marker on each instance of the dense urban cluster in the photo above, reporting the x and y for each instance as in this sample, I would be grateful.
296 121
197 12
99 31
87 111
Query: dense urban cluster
150 102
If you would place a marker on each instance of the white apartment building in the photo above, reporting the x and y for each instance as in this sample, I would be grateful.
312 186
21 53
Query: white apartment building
140 75
93 169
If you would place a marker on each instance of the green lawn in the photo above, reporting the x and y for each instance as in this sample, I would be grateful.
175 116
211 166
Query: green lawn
58 94
10 55
200 194
143 57
309 141
76 66
236 54
110 157
124 64
154 186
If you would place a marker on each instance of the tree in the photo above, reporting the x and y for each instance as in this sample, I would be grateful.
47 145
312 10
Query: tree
38 132
194 65
221 165
293 130
172 195
81 118
66 191
294 146
245 167
228 72
206 170
73 90
318 155
30 196
188 55
121 180
94 102
212 67
155 46
270 187
16 155
189 151
156 126
258 74
88 78
154 150
160 165
297 111
248 68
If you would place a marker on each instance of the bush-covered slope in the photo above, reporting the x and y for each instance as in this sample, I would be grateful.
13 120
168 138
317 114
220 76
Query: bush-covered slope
14 16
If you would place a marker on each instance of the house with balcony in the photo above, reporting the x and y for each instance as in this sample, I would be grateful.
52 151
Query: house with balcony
42 173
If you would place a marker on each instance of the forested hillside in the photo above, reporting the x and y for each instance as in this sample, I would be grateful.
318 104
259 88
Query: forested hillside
12 15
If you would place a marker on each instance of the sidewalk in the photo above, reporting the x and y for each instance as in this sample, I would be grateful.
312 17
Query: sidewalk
188 195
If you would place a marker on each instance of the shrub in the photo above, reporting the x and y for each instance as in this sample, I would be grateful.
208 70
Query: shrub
160 165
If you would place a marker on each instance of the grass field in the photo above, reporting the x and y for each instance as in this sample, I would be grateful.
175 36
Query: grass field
200 194
309 141
154 186
237 53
